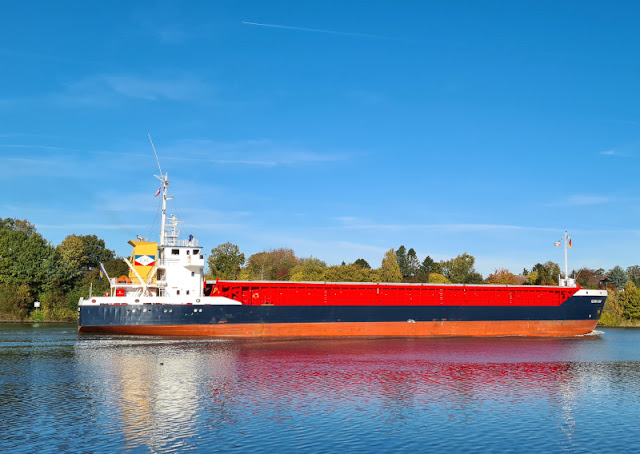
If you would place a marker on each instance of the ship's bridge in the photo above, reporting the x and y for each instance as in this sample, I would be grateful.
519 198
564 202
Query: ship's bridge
181 268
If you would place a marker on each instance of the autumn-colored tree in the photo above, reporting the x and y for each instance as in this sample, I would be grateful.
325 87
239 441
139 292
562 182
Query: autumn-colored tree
390 270
502 276
437 278
583 276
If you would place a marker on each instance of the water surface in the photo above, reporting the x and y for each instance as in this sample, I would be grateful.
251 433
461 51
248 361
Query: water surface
65 392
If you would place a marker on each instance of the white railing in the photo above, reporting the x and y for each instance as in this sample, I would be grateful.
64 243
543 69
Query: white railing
186 243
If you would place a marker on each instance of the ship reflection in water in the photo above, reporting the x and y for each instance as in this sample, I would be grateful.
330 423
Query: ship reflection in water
358 395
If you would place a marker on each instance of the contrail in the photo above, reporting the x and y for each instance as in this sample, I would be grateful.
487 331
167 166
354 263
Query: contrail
316 30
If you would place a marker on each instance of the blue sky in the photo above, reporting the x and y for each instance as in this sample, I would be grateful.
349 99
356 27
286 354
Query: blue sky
339 129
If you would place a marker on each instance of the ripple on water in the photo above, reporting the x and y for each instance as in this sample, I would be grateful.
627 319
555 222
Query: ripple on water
60 392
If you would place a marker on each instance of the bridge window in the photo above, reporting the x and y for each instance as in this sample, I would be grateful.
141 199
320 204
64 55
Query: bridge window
175 251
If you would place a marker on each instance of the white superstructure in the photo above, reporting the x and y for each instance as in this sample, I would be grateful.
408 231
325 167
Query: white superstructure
180 264
168 272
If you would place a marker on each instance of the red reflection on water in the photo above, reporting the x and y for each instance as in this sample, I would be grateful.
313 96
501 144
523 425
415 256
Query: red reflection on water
436 370
169 392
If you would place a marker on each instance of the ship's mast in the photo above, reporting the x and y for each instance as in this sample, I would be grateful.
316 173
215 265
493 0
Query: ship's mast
567 241
164 179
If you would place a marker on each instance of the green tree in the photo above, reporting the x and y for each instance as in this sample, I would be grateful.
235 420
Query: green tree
350 273
31 268
531 278
95 252
80 257
18 225
114 267
362 263
15 301
83 252
618 277
390 270
630 300
633 272
225 261
413 264
426 268
311 269
72 256
274 265
427 265
547 273
612 313
460 270
27 259
401 258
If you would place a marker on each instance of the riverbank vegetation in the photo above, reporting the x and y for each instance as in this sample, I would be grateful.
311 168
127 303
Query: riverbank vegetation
34 270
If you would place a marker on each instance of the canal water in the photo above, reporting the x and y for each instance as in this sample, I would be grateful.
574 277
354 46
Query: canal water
65 392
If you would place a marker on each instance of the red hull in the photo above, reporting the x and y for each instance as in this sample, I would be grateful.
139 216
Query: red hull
545 328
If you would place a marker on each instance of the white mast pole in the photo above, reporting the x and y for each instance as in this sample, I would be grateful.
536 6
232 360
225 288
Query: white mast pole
566 263
165 185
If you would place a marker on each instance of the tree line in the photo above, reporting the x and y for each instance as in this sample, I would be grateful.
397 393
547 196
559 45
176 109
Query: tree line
32 269
226 262
623 303
398 265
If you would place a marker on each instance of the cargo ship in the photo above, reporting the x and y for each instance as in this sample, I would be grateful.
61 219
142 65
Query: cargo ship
166 294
